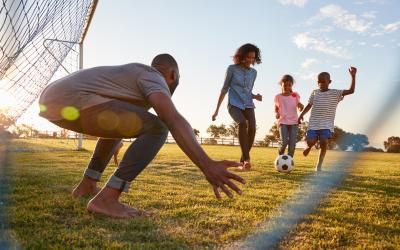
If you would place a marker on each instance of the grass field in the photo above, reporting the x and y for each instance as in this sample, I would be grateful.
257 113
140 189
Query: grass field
363 212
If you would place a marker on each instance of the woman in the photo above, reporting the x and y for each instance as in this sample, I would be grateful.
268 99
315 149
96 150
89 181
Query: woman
239 83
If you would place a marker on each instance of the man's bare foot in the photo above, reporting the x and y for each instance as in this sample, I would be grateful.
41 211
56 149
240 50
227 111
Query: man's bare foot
106 203
306 151
87 186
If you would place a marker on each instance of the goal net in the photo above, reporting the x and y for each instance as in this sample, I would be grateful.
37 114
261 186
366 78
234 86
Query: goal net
39 41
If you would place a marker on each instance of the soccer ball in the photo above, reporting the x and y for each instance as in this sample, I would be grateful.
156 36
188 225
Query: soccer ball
284 163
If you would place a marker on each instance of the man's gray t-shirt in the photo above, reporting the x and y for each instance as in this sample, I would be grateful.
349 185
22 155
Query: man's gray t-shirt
132 83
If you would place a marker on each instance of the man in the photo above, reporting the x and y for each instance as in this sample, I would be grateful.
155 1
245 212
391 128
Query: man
112 102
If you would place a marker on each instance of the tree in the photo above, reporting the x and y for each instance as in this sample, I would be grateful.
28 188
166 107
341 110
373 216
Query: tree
196 132
345 140
372 149
358 142
6 120
24 130
392 145
233 130
274 135
268 139
217 131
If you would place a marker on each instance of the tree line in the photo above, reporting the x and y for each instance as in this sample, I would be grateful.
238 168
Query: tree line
341 139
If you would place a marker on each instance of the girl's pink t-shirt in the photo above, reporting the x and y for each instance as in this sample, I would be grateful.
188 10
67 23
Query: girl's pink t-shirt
287 108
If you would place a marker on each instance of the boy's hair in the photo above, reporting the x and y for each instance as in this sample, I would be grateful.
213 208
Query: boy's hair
324 74
242 52
285 78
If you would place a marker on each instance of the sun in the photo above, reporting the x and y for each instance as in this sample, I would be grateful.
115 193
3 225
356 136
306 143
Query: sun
6 99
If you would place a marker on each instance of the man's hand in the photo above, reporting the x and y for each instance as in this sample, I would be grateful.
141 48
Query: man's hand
258 97
214 116
353 71
277 116
215 171
220 178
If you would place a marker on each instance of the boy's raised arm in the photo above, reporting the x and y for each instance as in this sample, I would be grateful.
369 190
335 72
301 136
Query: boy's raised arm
353 72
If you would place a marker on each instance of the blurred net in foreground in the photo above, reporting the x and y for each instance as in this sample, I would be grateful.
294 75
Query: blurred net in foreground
38 39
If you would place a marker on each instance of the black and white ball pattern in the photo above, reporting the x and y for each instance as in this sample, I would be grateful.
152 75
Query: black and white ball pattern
284 163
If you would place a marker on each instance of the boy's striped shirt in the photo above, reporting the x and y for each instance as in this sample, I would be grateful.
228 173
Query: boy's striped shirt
324 108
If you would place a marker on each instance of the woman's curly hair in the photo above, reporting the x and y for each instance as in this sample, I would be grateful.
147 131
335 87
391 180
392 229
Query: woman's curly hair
242 52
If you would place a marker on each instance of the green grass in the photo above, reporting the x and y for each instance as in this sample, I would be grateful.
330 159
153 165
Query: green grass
363 212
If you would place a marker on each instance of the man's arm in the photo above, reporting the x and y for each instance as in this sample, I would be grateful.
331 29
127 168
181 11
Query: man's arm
353 72
305 110
215 171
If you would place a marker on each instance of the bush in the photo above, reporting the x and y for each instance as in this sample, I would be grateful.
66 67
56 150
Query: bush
372 149
393 149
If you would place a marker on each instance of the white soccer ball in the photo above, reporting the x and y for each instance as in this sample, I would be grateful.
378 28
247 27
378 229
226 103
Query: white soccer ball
284 163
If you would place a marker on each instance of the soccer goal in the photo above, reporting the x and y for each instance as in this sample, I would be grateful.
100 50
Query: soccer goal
40 41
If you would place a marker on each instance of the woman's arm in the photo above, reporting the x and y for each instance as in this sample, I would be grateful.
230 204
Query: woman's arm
225 88
220 99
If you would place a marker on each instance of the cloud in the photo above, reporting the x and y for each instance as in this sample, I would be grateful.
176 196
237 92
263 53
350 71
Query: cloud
378 45
392 26
310 76
369 14
362 43
336 66
343 19
306 41
298 3
308 62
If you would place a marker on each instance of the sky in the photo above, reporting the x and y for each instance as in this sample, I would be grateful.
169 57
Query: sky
297 37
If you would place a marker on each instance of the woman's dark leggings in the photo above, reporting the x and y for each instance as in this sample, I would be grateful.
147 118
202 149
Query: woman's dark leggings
247 128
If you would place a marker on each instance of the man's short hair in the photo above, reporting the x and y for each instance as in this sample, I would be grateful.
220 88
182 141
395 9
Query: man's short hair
164 61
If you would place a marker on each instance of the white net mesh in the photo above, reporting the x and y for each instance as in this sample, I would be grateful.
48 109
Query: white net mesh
38 39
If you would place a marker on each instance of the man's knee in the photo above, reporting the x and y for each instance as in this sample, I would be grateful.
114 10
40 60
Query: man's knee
160 128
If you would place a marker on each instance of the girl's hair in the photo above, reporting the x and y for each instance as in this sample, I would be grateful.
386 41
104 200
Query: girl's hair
242 52
286 78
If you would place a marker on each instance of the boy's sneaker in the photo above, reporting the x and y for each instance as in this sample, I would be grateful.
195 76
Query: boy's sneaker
318 168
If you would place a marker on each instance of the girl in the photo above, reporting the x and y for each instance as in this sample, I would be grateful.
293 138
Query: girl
239 83
286 105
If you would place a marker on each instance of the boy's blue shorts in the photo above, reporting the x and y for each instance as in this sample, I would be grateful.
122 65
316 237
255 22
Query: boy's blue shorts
319 134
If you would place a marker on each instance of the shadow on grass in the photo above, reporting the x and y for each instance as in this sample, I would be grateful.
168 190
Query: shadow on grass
42 214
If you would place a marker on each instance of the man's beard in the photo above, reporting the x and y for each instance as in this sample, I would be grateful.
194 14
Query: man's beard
173 87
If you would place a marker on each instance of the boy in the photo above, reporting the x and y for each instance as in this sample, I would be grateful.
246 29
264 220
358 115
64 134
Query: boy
323 102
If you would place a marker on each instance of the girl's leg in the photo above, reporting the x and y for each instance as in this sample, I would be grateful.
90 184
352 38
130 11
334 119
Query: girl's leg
292 139
284 134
